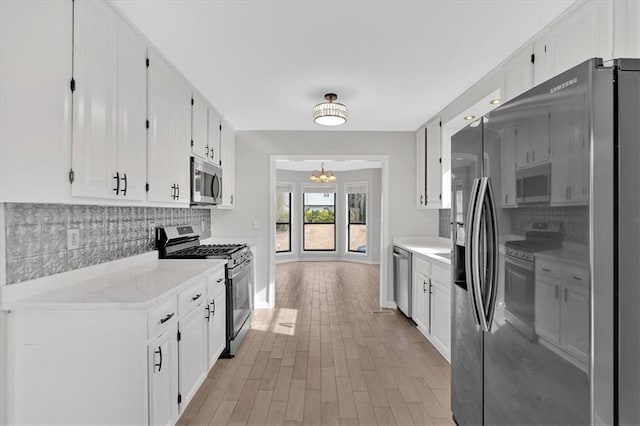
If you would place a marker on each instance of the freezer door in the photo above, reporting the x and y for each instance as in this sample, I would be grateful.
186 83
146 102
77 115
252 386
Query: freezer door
629 244
537 367
466 336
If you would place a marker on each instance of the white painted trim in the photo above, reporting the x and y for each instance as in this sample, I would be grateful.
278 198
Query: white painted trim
389 304
346 234
384 224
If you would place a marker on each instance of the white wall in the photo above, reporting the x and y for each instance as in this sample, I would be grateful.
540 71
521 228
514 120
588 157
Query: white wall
253 150
374 211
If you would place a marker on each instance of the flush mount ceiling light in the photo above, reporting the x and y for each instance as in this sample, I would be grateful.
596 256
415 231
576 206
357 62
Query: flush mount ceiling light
495 101
322 176
330 113
469 117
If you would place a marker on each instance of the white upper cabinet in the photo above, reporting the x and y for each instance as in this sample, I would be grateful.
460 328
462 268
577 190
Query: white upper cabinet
508 167
95 107
215 136
132 113
169 138
199 127
586 33
429 165
518 74
228 164
109 108
35 100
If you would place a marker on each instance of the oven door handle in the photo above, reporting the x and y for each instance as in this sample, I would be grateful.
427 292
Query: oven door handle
492 251
519 263
470 259
243 268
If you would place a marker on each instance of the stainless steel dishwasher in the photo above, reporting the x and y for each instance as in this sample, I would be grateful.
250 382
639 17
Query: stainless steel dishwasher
402 279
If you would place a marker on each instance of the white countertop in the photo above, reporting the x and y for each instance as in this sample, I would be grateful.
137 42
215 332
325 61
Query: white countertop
138 286
427 247
566 255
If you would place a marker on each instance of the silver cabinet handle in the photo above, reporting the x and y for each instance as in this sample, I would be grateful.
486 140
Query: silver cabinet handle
470 261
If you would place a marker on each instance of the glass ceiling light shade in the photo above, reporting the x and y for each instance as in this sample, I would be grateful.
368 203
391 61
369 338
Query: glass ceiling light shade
330 113
322 176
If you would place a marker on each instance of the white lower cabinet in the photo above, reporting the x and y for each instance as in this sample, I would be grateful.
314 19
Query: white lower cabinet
163 378
216 318
431 300
562 310
115 365
192 348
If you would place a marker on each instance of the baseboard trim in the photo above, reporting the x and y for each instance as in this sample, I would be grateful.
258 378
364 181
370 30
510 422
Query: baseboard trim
389 304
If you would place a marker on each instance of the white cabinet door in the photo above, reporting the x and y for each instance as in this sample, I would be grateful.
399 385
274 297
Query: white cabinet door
228 164
199 127
523 134
217 324
574 322
35 100
434 164
547 309
508 167
95 63
419 301
421 168
169 141
440 317
518 74
132 113
192 353
163 379
215 130
539 139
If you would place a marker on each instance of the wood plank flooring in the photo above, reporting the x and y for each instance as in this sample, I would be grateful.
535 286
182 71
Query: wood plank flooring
326 356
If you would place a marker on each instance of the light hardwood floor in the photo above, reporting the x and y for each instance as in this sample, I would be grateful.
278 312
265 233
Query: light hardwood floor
325 356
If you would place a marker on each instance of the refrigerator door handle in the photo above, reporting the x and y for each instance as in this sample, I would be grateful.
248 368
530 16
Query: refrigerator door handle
475 253
470 266
492 251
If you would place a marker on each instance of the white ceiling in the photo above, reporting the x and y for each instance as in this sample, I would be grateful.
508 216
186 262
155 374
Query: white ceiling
265 64
329 165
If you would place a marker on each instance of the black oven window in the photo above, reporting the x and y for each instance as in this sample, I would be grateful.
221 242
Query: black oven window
319 225
283 222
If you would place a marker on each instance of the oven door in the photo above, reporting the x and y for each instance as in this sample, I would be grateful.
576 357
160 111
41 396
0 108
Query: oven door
239 308
519 295
206 183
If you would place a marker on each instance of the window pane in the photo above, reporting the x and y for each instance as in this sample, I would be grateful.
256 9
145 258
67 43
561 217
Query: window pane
282 238
282 207
358 238
319 237
319 208
357 208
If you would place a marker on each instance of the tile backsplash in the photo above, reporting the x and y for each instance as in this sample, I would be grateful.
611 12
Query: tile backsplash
575 220
36 235
444 223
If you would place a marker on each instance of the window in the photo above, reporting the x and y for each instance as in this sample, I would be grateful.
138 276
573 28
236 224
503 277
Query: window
283 221
356 218
319 226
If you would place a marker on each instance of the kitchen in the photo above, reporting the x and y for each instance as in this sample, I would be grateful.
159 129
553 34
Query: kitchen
96 197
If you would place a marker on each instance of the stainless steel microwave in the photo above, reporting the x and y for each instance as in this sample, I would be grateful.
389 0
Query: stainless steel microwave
206 183
533 185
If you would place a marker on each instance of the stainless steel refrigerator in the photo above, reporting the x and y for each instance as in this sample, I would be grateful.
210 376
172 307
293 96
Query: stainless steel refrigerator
546 287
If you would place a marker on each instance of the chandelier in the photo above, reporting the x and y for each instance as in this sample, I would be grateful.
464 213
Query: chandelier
322 176
330 113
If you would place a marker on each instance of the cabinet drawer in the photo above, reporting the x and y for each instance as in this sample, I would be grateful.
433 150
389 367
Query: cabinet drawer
440 274
162 317
575 275
215 280
545 268
190 298
422 266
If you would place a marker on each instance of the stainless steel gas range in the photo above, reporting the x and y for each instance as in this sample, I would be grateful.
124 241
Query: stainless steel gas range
181 242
